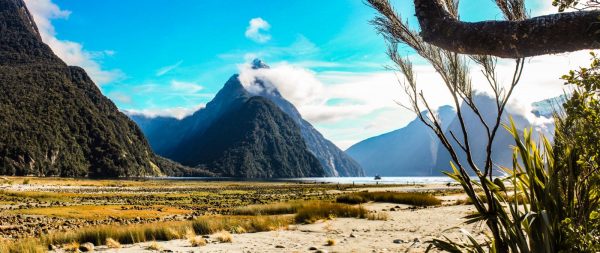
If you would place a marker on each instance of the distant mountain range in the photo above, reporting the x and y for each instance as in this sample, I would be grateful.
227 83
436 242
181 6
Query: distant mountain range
414 150
54 121
261 140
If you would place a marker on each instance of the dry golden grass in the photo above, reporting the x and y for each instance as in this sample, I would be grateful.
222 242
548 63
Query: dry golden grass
240 224
269 209
22 246
408 198
197 241
154 246
163 231
72 246
101 212
318 210
111 243
224 236
378 216
193 239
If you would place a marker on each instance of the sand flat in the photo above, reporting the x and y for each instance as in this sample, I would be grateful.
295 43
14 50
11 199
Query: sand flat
413 226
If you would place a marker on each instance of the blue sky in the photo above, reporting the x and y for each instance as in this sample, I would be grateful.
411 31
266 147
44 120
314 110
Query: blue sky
165 57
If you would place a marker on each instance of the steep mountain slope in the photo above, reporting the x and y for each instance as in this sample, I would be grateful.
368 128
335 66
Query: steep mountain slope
335 161
185 133
256 140
408 151
170 137
54 121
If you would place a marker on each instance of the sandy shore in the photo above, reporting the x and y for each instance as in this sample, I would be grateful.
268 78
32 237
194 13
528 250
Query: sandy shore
406 230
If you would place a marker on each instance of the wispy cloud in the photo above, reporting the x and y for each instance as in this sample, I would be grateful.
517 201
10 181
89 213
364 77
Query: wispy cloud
166 69
175 112
257 29
72 53
185 86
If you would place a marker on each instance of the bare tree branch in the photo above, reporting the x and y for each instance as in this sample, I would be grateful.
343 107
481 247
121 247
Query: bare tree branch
517 37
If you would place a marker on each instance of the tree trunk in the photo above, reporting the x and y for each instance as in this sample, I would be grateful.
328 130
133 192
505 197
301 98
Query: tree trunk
550 34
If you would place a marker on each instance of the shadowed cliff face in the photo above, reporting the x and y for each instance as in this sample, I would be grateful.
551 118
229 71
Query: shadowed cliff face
335 161
254 140
54 121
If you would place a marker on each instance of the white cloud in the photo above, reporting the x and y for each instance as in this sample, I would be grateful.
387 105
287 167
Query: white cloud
256 29
175 112
167 69
188 87
361 95
374 95
72 53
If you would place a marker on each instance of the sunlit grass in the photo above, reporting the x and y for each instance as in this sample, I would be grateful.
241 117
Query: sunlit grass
22 246
318 210
408 198
95 212
122 234
269 209
240 224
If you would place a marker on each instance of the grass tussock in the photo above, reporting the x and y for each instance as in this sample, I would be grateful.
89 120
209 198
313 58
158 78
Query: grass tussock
314 211
154 246
239 224
22 246
224 237
269 209
407 198
197 241
112 243
121 234
378 216
193 239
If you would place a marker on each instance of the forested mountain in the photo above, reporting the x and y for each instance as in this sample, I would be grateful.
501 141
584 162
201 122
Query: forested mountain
54 121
